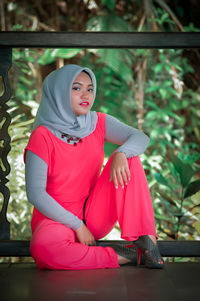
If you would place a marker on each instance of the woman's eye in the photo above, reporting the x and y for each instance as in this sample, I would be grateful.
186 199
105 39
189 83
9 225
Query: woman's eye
90 90
76 88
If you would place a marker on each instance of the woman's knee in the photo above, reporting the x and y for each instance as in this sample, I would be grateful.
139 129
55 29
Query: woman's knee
45 240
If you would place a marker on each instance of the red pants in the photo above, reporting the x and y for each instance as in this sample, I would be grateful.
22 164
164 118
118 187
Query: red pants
54 246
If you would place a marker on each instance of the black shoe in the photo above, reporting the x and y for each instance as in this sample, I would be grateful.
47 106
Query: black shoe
150 251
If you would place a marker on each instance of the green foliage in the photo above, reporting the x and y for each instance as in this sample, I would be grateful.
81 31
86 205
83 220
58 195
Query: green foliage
166 101
162 17
168 111
118 61
50 55
192 188
191 28
165 98
109 3
22 110
107 21
177 188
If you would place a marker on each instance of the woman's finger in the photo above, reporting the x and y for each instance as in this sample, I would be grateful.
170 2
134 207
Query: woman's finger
91 243
111 175
124 176
115 179
128 172
119 177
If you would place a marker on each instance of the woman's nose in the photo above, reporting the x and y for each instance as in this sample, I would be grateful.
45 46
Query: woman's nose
84 94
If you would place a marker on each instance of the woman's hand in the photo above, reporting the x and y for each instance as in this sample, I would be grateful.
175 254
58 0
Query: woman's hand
85 236
119 170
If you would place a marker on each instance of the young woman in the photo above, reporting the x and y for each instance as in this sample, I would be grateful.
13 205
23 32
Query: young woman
75 205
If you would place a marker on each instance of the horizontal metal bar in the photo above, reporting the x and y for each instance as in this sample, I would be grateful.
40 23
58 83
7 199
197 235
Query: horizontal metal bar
182 248
16 248
94 40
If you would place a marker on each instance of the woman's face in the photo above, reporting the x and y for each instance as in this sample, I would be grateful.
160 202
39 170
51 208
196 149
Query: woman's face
82 94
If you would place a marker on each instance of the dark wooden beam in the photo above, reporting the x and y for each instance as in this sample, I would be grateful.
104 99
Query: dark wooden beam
181 248
5 119
99 39
21 248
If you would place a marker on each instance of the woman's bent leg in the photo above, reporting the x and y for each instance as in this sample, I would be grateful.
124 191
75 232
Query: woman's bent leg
54 246
131 206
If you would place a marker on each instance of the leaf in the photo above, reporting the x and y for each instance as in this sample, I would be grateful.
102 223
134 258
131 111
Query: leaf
152 88
192 188
65 53
158 68
152 115
196 198
152 104
50 56
184 170
160 179
163 218
167 68
167 198
107 22
197 226
109 3
163 93
114 59
46 58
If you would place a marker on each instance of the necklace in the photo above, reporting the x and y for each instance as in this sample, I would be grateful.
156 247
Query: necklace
72 139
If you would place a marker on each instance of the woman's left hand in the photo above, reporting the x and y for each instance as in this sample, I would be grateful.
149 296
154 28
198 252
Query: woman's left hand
119 170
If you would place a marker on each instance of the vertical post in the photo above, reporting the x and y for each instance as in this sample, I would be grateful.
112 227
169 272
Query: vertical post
5 119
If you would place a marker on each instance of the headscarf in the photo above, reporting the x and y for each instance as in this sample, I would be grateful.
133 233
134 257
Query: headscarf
55 110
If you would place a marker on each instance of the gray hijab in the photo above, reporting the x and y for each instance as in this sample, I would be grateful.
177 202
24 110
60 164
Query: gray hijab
55 110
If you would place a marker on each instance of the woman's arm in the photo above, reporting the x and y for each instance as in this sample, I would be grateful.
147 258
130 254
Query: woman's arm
133 142
36 179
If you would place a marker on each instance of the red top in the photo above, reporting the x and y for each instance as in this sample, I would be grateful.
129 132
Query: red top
72 170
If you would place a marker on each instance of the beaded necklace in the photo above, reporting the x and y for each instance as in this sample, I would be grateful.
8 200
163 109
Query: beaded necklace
71 138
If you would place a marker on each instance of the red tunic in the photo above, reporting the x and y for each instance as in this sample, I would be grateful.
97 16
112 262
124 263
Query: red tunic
72 170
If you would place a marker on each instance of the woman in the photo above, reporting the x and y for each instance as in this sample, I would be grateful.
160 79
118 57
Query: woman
73 204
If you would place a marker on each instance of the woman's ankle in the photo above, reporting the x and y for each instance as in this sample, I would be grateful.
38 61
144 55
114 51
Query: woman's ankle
122 260
153 238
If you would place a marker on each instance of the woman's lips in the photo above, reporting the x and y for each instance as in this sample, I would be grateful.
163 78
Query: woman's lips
84 103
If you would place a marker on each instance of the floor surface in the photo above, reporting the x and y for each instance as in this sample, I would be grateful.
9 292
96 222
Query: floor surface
177 281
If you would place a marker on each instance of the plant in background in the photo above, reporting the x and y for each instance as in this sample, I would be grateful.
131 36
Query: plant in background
22 110
160 105
178 208
143 88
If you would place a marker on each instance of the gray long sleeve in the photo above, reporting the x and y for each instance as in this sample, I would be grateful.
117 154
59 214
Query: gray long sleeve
36 179
133 142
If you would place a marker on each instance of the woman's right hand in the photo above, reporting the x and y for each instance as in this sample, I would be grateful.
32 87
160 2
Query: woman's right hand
85 236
